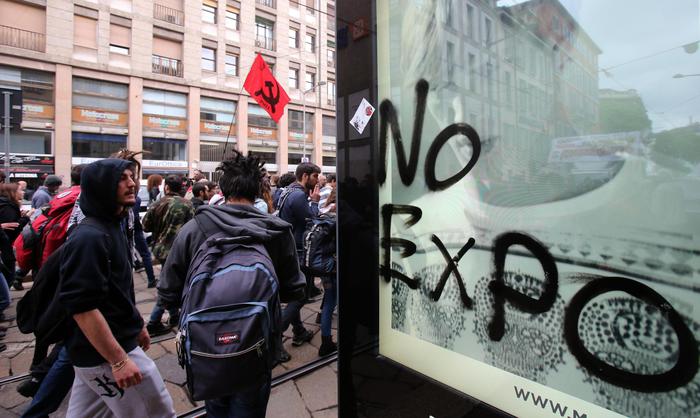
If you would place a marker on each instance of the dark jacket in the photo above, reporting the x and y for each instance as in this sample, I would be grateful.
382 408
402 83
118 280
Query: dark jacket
296 210
10 212
96 270
196 202
236 220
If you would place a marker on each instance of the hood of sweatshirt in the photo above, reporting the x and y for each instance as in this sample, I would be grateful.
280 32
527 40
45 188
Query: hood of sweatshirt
98 184
244 220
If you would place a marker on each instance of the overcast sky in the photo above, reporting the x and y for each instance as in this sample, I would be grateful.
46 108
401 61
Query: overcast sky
626 30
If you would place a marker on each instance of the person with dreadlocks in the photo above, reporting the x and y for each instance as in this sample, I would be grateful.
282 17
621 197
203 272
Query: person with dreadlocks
240 185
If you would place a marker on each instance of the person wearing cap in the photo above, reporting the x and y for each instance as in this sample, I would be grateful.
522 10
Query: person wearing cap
46 192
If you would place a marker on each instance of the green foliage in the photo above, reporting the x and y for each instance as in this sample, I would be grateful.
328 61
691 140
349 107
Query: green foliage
623 115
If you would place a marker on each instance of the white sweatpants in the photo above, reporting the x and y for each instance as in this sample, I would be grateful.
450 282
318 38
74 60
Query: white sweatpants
95 392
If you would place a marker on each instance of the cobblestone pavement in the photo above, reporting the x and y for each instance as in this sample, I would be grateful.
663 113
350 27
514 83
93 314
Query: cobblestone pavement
313 395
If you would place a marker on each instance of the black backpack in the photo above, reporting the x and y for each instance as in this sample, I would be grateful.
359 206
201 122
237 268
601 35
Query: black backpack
230 324
319 246
40 311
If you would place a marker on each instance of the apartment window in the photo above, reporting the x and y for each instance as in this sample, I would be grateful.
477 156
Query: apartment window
329 127
489 79
296 121
449 19
208 59
294 38
311 6
450 62
209 11
331 57
472 72
331 92
488 28
85 32
294 78
27 32
310 81
330 16
233 18
167 57
96 145
329 161
231 64
507 83
471 21
264 33
119 38
310 42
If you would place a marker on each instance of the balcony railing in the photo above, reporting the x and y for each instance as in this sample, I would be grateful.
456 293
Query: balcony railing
168 14
167 66
266 3
24 39
265 43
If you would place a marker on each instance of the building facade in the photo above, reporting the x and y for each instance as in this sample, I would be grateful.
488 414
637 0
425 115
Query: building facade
166 77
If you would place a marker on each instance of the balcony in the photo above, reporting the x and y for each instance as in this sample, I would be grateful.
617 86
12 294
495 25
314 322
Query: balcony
265 43
166 66
266 3
24 39
168 14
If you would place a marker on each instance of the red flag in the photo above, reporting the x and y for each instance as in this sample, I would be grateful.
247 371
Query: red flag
263 87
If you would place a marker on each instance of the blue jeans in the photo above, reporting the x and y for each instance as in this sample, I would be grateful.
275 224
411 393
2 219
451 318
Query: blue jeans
292 312
157 313
250 403
142 248
330 298
53 389
4 293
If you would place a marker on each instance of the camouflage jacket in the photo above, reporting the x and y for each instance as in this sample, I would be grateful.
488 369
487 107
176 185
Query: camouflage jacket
164 220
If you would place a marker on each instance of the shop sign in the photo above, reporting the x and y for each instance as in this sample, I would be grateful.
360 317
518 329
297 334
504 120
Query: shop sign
37 110
216 128
165 164
83 160
24 159
164 123
103 117
262 133
299 136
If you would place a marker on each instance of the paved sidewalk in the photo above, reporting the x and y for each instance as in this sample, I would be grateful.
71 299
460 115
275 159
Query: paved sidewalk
313 395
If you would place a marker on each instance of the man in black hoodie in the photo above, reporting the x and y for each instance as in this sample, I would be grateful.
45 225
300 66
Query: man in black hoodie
107 339
240 184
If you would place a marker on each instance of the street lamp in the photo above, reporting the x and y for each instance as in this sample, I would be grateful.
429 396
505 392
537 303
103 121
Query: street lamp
303 99
686 75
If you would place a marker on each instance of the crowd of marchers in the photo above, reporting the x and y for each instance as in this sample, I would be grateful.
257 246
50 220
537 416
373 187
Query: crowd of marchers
239 259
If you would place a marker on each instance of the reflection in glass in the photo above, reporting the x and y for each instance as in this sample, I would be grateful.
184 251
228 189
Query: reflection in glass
590 143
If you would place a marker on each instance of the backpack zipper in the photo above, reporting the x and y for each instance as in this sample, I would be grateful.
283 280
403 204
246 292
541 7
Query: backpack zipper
257 346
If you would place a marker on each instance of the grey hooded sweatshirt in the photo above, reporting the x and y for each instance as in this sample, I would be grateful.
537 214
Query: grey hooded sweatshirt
236 220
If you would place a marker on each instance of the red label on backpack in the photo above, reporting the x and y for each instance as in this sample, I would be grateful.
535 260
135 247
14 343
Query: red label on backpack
225 338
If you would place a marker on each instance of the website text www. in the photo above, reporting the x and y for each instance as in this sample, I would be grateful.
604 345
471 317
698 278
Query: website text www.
547 404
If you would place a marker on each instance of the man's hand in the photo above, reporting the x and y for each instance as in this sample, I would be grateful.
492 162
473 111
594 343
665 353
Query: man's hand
144 339
316 194
9 225
128 376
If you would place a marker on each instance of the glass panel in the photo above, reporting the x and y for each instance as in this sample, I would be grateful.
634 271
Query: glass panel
231 64
560 162
165 149
208 14
208 59
96 146
30 142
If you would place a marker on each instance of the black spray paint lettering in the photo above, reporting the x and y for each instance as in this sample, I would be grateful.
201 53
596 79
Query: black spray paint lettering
687 363
501 292
409 248
407 170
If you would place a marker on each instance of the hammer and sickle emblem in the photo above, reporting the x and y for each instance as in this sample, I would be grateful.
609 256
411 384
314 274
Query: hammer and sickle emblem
270 98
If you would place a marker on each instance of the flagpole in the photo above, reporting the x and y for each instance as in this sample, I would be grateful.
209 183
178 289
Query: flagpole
230 126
